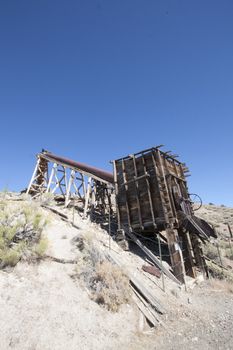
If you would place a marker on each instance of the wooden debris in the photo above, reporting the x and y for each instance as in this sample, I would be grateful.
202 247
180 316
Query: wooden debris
146 294
146 312
60 260
153 270
63 216
155 260
139 289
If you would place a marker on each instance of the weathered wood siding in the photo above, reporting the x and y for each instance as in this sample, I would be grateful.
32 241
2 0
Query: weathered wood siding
145 184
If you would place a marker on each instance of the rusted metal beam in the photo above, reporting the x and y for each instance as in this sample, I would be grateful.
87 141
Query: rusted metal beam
97 173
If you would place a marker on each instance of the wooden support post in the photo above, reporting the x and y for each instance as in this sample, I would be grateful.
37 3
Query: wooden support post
87 195
71 179
33 175
198 253
188 254
51 176
175 254
116 194
83 184
126 193
65 178
161 261
137 192
149 191
56 181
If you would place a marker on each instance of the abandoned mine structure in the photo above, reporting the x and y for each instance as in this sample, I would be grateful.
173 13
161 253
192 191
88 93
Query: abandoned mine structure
147 195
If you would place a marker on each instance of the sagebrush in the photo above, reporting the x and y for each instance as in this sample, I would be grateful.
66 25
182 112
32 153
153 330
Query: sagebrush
107 283
21 227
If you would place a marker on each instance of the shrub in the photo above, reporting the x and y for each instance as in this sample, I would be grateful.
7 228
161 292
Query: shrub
41 247
211 251
20 232
9 257
219 273
107 283
110 286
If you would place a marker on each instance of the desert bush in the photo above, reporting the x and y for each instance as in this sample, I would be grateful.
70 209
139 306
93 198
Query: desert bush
107 284
9 257
110 286
211 251
20 232
219 273
40 248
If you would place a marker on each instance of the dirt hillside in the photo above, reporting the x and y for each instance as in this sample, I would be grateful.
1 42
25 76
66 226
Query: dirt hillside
45 306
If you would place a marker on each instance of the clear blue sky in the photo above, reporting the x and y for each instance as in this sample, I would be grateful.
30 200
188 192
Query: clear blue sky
95 80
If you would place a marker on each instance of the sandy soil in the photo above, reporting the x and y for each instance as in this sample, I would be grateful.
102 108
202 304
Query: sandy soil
200 319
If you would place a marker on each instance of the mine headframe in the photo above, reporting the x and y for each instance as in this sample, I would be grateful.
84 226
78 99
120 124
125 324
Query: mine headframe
152 196
89 187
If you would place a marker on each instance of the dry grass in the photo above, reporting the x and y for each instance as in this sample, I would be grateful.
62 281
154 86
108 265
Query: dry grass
219 273
107 284
211 251
219 249
221 285
110 286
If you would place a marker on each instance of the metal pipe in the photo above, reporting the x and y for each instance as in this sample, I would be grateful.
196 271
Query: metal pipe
97 173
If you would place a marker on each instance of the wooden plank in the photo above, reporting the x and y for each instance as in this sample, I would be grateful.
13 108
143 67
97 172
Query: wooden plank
152 257
137 193
62 215
87 196
145 293
126 190
175 254
149 192
144 309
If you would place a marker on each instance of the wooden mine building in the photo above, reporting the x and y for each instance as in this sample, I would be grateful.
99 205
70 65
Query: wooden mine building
150 196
